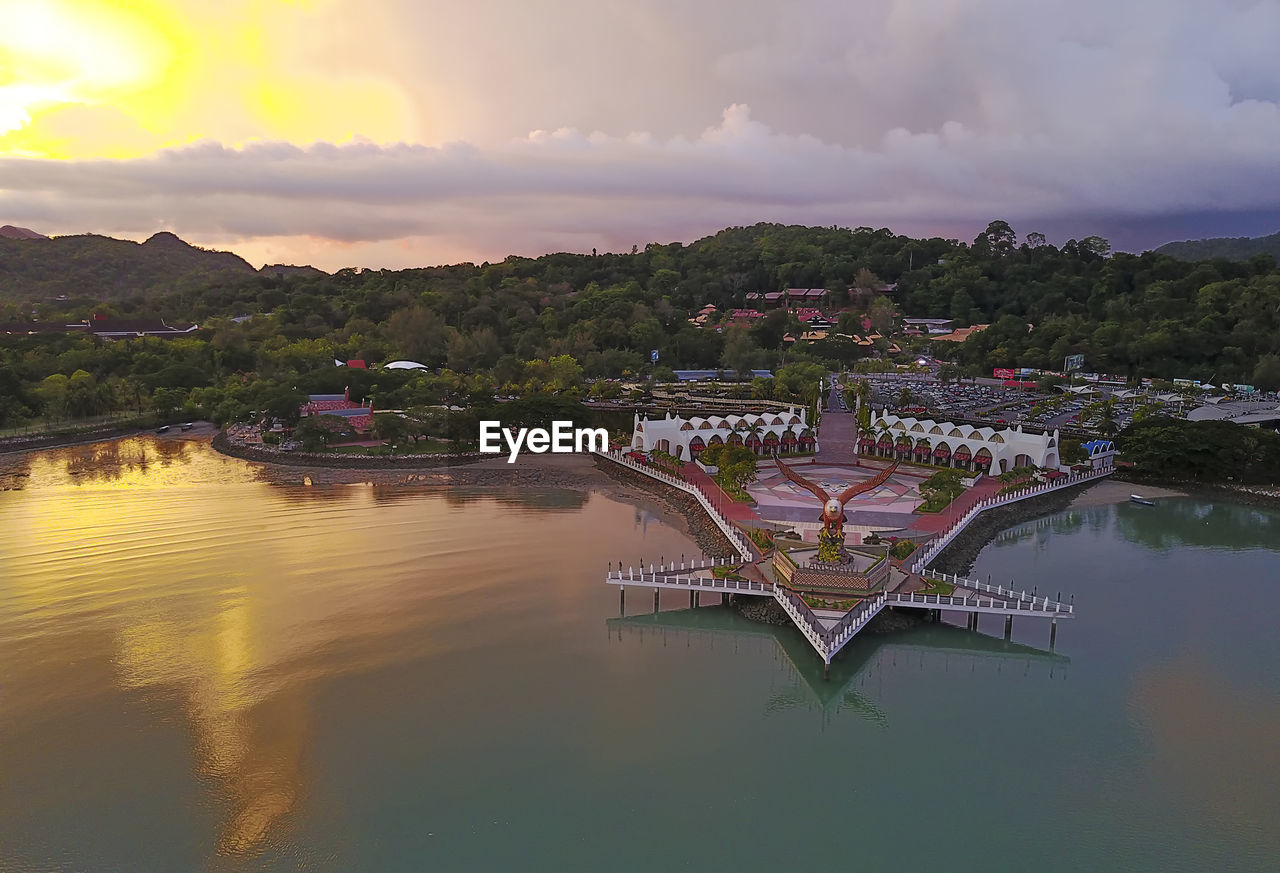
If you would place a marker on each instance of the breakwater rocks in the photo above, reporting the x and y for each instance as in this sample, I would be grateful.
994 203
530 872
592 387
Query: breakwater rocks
271 455
705 532
958 557
893 620
764 610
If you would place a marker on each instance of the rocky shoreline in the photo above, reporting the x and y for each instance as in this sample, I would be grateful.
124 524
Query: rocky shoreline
13 445
269 455
1254 495
705 532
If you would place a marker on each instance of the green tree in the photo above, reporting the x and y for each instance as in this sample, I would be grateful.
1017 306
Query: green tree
393 428
1266 375
167 401
313 434
564 373
740 351
997 240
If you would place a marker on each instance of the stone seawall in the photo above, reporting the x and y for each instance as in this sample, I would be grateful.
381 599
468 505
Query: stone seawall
54 441
269 455
705 532
959 555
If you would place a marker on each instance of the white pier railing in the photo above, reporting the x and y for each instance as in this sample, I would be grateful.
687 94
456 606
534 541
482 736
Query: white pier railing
660 578
1042 606
804 619
931 550
735 537
853 622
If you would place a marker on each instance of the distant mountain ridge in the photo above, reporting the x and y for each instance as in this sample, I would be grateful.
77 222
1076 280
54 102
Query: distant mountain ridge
11 232
1232 248
102 267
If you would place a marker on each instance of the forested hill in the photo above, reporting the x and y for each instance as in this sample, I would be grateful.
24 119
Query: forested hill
103 268
1136 315
1231 248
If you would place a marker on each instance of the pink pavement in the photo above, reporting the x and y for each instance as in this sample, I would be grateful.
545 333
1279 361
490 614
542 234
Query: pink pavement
729 508
936 522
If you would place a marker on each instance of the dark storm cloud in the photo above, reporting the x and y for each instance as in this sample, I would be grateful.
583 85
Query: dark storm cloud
1148 120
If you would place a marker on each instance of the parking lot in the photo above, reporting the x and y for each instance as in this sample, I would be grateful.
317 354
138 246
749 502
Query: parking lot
999 405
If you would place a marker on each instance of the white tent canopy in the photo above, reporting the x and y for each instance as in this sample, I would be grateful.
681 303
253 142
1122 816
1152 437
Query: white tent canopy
404 365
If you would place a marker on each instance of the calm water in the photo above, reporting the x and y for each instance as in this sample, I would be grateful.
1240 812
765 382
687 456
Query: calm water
205 671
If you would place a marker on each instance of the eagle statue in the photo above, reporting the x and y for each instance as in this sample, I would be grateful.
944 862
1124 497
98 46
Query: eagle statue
831 538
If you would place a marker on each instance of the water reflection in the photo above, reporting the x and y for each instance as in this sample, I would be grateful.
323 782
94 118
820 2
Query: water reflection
140 461
248 738
1172 524
148 461
227 606
864 662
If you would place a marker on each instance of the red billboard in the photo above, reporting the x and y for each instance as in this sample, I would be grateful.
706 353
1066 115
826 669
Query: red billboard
1004 372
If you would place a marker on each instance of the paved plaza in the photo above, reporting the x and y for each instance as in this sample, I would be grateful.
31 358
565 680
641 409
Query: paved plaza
889 506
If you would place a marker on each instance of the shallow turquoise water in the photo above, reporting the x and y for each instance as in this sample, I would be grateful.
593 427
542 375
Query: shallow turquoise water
205 671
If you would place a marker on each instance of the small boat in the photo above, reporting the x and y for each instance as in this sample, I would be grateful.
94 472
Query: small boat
1140 500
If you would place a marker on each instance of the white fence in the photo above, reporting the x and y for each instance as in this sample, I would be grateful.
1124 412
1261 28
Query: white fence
735 538
1042 605
804 619
854 622
673 576
929 552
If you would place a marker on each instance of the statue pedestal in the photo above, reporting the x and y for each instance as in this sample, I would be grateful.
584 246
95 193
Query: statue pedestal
830 547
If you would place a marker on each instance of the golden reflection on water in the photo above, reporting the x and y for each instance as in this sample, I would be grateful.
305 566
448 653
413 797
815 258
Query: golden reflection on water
230 594
245 738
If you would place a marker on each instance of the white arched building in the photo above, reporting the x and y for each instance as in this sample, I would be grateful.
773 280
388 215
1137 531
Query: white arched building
783 432
959 445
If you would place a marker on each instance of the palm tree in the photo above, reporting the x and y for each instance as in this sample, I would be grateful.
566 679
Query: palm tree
1103 415
883 433
924 442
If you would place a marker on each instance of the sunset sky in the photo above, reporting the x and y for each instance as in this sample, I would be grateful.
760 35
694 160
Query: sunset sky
410 132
